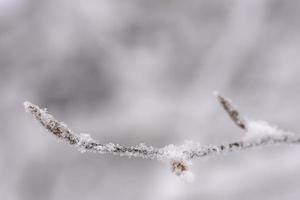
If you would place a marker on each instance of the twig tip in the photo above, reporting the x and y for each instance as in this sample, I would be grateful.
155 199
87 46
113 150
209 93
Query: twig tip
27 105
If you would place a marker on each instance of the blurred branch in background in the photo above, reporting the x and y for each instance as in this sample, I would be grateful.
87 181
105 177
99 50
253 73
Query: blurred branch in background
258 133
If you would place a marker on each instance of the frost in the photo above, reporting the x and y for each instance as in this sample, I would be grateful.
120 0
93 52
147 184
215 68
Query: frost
142 146
171 151
180 159
27 105
46 118
84 139
261 129
179 152
110 147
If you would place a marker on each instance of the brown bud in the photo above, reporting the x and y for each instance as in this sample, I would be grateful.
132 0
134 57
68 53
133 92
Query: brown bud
179 167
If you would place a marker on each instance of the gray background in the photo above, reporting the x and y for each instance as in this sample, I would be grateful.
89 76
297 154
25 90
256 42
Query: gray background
144 71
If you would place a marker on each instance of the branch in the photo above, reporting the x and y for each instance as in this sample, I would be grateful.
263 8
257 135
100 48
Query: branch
258 133
83 141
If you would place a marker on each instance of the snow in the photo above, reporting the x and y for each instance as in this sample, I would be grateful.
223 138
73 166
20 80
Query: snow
174 152
261 129
27 105
84 139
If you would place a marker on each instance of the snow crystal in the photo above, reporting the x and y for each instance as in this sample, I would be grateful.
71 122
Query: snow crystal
84 139
110 147
179 152
27 105
46 118
261 129
171 151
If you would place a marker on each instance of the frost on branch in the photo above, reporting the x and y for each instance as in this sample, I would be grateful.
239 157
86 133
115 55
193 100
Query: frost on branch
261 129
257 133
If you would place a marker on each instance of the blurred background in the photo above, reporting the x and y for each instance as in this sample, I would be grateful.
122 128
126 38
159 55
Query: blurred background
144 71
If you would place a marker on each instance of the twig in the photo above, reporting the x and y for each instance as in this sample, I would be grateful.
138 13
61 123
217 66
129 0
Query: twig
257 134
83 141
231 111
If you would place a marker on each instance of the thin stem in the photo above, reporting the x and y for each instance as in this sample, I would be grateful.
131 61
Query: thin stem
83 141
257 134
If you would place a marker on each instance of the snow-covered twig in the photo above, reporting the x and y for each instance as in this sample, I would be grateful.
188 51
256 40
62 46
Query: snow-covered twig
257 133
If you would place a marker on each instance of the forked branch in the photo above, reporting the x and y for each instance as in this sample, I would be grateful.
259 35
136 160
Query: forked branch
258 133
